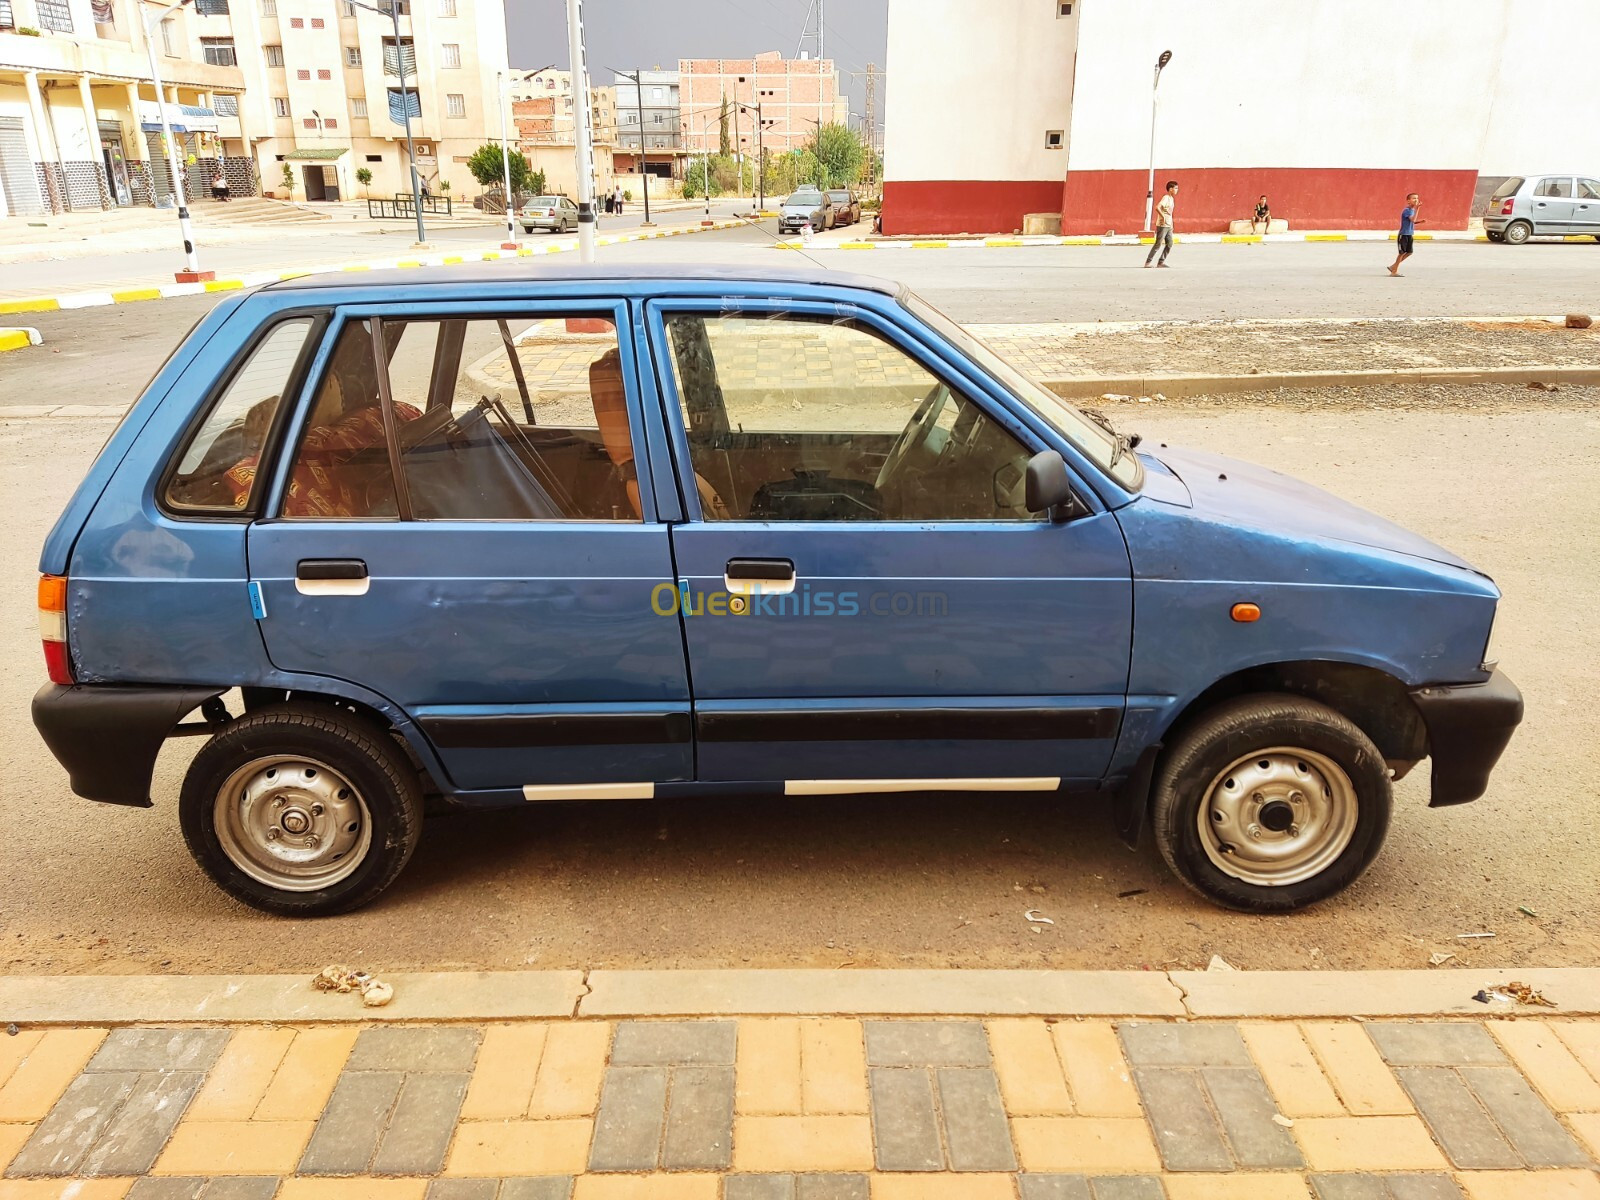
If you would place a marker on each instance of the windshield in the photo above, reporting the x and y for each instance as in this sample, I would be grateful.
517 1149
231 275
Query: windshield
545 201
1096 441
839 195
804 198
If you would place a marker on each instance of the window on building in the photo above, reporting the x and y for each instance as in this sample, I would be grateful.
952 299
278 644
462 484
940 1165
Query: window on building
374 157
396 55
167 44
309 122
358 107
1053 139
658 94
297 22
303 73
352 56
331 123
1063 9
447 8
324 73
269 8
347 9
54 14
401 100
273 55
8 19
211 8
455 105
450 55
318 23
280 106
225 106
218 52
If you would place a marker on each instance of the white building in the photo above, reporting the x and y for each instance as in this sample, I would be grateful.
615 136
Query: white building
1333 108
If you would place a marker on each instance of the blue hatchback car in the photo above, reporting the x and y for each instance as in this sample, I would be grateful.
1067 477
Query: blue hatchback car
497 537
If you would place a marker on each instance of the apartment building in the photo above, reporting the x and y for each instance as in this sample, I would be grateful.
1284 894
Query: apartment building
649 123
80 120
548 115
251 87
795 95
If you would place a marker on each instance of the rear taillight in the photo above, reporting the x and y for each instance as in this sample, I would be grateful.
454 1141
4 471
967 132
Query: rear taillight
53 628
1510 203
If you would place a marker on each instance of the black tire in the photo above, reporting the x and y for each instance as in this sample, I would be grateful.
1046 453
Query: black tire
1518 232
364 754
1216 741
1495 237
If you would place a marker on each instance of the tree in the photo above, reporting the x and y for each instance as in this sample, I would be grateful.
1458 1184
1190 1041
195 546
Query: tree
488 166
364 177
288 181
699 176
840 155
724 142
537 183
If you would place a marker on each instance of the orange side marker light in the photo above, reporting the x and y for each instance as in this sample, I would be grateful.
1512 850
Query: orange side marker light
1245 612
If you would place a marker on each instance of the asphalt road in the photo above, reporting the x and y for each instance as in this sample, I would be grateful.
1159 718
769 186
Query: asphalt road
916 880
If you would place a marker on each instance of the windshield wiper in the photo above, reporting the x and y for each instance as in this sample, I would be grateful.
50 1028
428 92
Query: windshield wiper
1123 442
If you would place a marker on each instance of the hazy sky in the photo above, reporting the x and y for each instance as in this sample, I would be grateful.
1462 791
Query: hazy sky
629 34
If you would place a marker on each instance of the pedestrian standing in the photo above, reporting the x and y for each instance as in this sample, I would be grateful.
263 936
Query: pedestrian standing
1409 220
616 199
611 206
1163 240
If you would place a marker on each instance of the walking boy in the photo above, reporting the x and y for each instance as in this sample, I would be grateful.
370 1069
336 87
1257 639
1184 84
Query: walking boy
1163 240
1409 220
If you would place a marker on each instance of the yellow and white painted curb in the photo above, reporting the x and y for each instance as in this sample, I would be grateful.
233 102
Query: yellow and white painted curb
1130 239
249 279
18 337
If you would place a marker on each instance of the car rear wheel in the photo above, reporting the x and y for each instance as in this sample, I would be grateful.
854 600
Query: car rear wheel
1495 237
1518 232
301 810
1269 803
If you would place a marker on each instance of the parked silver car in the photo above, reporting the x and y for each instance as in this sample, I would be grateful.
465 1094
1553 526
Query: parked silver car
554 213
1523 206
808 205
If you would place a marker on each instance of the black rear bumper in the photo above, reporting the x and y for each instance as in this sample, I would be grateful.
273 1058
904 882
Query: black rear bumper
108 737
1469 726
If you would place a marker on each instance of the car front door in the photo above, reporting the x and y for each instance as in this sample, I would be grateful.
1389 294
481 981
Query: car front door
867 604
1552 205
460 528
1586 207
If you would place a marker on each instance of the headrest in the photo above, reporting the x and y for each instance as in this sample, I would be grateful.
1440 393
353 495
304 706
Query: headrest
611 406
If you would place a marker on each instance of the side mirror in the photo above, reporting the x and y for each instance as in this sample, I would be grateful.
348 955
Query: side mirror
1048 487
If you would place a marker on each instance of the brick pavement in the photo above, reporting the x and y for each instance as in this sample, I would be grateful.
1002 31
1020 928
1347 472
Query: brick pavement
806 1108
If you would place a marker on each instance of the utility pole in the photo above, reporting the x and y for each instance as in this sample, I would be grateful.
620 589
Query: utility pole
583 131
393 13
758 196
870 122
638 92
191 272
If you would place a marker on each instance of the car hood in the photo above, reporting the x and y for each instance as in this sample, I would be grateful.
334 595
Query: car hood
1250 495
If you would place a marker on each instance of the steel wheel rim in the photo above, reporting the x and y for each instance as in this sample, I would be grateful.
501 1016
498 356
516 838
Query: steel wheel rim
1278 816
292 823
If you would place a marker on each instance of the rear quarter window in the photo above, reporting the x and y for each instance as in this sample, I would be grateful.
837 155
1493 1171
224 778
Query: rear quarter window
215 472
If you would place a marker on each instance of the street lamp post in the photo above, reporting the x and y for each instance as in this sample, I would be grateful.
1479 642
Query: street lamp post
505 153
759 199
1150 188
583 131
393 12
638 105
191 272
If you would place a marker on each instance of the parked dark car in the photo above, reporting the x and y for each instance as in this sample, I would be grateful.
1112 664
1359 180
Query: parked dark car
806 205
846 206
498 536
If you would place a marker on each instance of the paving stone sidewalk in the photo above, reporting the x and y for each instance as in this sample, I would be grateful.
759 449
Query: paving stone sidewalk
806 1109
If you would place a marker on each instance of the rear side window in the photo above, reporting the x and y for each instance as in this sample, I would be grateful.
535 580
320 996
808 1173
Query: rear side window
217 470
1556 187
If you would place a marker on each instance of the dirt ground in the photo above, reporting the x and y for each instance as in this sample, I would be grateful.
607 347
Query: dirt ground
1506 477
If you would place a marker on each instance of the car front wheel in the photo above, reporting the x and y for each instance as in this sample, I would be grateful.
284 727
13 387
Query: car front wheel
1269 803
301 810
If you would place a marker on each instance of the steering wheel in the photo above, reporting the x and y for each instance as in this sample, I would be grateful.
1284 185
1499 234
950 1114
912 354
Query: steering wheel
916 433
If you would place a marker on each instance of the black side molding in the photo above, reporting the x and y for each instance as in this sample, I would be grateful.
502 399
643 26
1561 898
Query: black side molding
108 737
914 724
1469 726
510 731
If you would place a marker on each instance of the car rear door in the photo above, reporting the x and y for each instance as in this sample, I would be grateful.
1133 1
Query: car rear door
857 625
462 529
1552 205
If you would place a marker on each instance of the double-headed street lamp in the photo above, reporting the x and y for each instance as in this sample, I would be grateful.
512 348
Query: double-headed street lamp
506 78
191 272
1150 189
393 13
759 198
644 176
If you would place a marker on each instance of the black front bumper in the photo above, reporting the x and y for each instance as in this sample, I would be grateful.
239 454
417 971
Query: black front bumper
108 737
1469 726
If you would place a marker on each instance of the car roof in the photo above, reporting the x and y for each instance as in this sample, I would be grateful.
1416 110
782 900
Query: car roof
663 278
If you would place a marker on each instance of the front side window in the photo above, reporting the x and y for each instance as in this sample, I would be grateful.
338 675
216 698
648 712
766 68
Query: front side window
806 418
492 419
216 472
1589 189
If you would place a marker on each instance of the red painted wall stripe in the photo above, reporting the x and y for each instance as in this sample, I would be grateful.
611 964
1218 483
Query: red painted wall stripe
1308 198
965 205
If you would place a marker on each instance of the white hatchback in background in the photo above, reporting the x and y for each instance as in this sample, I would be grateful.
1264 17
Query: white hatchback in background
556 214
1543 205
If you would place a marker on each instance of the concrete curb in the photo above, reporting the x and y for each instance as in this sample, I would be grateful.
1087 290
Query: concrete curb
18 337
1177 386
165 291
545 995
